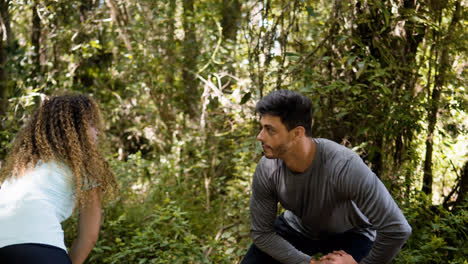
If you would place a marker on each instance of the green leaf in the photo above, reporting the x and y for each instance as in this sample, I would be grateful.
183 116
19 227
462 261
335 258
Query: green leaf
245 98
292 54
311 11
386 17
450 248
278 58
361 66
341 114
341 38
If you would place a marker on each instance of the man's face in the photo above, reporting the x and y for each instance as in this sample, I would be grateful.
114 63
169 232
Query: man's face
275 137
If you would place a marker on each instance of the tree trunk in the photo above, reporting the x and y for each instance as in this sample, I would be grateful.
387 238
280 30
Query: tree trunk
287 22
5 30
463 192
231 14
163 100
432 120
170 45
190 53
407 45
377 158
5 44
35 40
120 20
3 81
5 40
439 82
85 7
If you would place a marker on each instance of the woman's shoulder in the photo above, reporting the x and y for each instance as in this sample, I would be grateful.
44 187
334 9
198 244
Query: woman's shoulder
50 172
52 166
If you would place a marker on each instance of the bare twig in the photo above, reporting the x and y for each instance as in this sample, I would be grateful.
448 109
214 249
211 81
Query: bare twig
447 198
218 235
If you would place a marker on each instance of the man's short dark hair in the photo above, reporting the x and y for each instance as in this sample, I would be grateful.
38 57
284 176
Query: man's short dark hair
293 109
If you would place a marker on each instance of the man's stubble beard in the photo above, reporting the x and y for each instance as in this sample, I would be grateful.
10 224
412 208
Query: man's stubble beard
278 152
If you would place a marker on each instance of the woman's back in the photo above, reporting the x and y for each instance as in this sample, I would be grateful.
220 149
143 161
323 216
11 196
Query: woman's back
33 202
33 206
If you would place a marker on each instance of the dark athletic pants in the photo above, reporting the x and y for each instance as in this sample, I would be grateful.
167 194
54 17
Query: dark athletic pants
33 254
354 244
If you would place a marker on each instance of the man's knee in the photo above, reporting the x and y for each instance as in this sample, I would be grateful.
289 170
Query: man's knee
257 256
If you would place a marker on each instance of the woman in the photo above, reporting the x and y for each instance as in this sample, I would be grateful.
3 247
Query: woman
53 167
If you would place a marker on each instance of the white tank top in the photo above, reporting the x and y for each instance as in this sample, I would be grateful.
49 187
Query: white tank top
33 206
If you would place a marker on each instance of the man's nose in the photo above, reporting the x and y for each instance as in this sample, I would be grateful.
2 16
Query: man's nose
260 135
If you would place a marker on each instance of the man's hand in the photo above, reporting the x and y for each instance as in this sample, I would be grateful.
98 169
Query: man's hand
336 257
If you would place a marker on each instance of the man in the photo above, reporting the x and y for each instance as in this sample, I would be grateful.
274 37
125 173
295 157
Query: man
334 204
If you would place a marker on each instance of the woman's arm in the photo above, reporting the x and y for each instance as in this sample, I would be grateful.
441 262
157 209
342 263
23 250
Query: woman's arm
89 223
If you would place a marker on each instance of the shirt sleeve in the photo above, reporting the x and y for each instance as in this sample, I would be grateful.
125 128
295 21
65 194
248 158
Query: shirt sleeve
362 186
263 208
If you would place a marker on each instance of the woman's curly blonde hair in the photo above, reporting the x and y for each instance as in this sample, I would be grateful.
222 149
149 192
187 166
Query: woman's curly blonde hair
60 130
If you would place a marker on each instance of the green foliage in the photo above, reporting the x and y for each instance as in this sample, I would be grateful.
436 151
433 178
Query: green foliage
154 233
439 236
162 214
179 115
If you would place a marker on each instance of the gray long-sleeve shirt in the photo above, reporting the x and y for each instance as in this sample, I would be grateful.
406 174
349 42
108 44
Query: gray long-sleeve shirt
337 193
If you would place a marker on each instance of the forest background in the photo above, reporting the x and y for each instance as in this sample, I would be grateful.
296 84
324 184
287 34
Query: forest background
177 81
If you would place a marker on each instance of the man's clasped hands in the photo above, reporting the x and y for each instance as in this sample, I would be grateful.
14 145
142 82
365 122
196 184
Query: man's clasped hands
336 257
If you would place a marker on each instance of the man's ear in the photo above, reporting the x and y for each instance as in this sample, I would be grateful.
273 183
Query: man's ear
299 132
